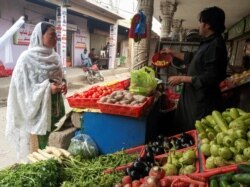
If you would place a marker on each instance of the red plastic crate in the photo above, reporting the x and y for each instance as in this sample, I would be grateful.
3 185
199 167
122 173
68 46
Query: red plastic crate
121 85
133 150
82 102
124 110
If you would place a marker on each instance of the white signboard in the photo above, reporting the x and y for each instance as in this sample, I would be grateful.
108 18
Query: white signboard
61 30
64 36
22 36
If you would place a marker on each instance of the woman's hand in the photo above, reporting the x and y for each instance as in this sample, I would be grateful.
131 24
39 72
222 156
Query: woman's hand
64 88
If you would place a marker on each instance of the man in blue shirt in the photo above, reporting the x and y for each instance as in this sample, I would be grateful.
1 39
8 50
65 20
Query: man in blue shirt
86 61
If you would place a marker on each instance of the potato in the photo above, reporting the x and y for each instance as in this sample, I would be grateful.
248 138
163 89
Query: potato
118 97
140 98
103 99
134 102
129 97
124 102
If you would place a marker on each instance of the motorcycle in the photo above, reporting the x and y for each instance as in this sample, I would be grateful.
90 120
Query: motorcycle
93 74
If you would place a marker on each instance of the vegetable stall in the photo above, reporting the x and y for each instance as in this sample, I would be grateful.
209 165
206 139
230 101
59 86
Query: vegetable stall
119 143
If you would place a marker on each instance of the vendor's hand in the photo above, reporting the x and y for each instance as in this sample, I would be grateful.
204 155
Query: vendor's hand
175 80
167 50
64 88
55 88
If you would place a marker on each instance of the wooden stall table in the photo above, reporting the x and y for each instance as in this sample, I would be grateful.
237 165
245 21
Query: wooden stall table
103 63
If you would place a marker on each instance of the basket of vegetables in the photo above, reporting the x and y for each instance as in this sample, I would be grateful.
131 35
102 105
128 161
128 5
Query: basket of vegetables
162 145
240 176
89 98
161 60
224 139
124 103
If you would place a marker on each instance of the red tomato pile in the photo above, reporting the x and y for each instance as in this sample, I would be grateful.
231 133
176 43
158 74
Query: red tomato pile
95 92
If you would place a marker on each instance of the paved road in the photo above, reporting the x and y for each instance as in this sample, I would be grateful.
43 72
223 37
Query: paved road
7 154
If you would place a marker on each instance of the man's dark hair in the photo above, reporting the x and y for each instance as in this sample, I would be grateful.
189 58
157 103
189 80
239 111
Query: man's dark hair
45 26
92 49
215 17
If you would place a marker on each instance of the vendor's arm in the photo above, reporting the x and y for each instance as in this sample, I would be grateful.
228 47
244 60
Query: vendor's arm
175 80
176 54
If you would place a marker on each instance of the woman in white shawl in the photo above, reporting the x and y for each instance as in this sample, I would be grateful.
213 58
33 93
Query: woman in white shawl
35 102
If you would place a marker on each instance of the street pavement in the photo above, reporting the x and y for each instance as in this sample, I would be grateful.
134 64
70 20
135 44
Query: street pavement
76 84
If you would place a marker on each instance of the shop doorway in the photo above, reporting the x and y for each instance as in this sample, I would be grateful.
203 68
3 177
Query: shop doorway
69 48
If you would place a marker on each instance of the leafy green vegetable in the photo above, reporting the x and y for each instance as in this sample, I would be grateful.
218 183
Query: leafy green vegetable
40 174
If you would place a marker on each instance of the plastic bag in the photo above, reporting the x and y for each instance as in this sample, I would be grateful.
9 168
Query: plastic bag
83 145
143 81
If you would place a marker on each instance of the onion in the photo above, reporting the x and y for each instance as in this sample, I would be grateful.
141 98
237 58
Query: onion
157 172
152 181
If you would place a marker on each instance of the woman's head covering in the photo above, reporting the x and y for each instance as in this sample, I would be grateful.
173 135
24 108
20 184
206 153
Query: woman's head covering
36 38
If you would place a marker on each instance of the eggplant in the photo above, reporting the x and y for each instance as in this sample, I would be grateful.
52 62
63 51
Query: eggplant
127 171
159 150
160 138
139 166
148 148
149 157
135 175
191 142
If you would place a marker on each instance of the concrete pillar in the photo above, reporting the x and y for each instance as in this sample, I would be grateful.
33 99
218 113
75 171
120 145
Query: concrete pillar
176 28
167 9
142 48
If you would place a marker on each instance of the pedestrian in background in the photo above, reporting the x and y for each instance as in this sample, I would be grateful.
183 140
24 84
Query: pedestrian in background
86 61
35 100
93 56
207 68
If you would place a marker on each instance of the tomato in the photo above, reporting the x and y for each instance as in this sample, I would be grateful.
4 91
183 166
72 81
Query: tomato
126 180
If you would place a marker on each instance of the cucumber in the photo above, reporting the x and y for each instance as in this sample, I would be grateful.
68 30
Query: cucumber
221 122
243 168
234 113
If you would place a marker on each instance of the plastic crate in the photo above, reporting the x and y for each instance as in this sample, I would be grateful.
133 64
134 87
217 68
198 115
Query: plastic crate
82 102
121 85
162 159
226 168
134 150
124 110
79 102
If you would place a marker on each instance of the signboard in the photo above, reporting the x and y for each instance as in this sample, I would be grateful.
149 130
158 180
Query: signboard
112 45
70 27
63 52
22 36
236 30
80 39
61 30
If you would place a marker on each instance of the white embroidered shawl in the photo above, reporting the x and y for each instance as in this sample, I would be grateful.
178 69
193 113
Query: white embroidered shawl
29 99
